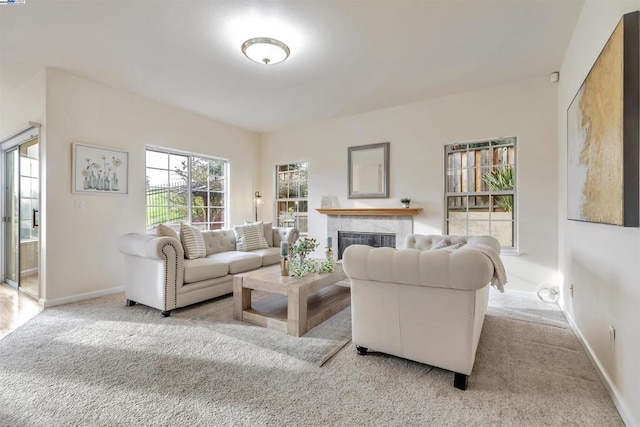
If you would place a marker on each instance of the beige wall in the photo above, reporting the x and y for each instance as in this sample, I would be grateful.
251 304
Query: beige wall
81 244
417 133
601 261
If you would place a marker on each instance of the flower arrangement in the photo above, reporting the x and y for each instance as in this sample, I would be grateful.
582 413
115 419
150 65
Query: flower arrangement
405 202
299 263
328 265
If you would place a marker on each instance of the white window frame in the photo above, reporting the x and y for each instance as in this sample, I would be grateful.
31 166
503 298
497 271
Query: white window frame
206 225
295 201
495 142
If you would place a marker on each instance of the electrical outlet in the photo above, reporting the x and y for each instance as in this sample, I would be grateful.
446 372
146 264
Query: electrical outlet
571 290
612 336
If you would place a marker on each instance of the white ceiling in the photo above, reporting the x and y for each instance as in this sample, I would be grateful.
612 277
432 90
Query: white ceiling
346 56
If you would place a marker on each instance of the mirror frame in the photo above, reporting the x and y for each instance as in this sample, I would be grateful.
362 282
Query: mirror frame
385 179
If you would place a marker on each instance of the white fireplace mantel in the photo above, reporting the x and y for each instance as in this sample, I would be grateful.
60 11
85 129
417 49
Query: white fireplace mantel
370 211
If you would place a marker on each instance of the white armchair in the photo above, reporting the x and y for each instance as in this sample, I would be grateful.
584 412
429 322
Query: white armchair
420 304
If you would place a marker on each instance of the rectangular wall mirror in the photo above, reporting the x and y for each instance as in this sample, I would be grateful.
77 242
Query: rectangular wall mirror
369 171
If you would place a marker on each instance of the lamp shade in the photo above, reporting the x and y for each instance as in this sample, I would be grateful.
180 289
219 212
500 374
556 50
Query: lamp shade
265 50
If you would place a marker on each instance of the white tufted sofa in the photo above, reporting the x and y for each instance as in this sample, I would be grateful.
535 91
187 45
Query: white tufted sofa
421 304
158 275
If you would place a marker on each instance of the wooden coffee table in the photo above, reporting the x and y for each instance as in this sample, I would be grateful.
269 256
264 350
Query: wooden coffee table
309 300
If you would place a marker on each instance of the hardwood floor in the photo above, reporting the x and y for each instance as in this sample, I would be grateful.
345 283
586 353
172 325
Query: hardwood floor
15 309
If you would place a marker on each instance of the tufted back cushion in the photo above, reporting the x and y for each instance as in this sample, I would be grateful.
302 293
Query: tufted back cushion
425 242
219 241
466 268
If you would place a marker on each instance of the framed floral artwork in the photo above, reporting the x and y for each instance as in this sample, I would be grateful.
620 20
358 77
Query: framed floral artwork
99 170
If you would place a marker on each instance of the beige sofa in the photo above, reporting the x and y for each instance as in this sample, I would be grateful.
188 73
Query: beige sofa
158 275
421 304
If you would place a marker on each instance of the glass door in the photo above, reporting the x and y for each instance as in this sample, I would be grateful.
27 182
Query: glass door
29 207
21 216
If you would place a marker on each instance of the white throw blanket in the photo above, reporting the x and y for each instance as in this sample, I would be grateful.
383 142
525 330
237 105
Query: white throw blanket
499 278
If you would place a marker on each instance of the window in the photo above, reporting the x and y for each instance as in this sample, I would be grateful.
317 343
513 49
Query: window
292 192
185 187
480 191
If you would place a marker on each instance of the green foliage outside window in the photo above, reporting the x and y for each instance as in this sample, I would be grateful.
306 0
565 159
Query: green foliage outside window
501 179
200 181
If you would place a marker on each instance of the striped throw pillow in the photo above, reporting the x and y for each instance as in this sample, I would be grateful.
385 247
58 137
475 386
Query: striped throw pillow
192 242
267 228
250 237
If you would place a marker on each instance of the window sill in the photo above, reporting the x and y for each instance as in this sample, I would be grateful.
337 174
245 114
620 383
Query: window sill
510 252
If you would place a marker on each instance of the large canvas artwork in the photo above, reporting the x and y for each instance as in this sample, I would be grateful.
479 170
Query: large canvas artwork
602 134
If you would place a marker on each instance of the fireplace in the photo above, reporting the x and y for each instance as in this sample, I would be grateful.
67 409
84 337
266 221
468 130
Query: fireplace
376 240
392 225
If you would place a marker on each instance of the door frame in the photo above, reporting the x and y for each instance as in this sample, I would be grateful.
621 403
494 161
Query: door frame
26 133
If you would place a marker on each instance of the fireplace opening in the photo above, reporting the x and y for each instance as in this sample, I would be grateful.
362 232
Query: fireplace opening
376 240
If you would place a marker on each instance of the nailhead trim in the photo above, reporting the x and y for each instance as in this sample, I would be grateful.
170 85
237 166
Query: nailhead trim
166 275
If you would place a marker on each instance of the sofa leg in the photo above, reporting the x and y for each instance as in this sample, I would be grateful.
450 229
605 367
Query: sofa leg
166 313
130 303
460 381
362 350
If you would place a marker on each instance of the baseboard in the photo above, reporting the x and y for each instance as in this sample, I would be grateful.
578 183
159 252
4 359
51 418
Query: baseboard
608 384
522 293
80 297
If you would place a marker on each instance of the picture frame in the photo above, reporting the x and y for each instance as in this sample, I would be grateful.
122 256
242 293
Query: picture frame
368 170
603 137
99 170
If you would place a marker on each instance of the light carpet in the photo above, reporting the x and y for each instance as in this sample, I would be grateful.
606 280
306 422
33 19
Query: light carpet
99 363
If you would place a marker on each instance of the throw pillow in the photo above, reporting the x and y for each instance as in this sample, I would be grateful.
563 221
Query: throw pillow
166 231
192 242
250 237
267 231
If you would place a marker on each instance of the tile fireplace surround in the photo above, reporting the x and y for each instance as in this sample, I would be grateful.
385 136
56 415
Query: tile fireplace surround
396 221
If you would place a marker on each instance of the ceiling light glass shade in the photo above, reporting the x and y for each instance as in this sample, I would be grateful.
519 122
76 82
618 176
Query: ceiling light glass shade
265 50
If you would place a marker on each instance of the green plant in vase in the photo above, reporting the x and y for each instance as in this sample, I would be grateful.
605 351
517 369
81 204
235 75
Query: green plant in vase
299 262
328 265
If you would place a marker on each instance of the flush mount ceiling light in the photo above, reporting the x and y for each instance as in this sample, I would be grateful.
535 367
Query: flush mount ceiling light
265 50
